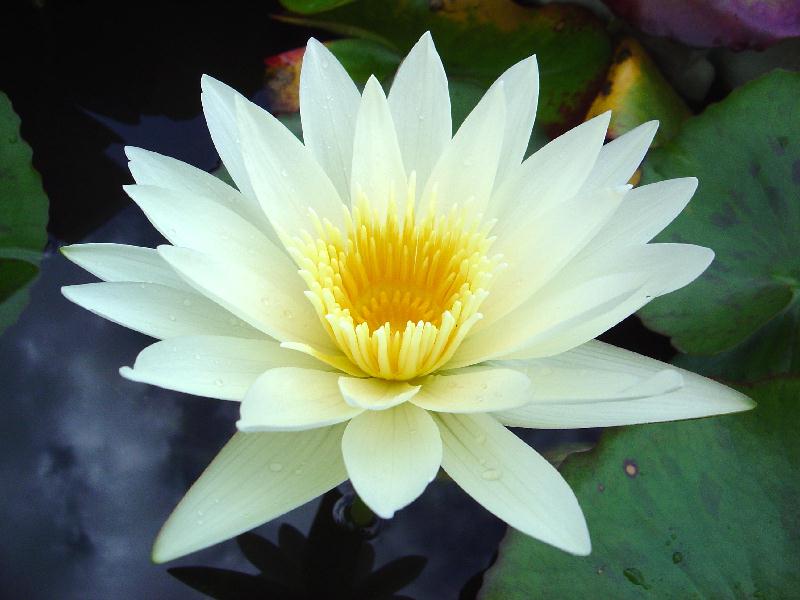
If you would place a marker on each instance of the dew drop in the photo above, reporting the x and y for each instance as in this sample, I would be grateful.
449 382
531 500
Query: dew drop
172 318
265 301
142 286
219 382
187 301
288 314
197 356
284 173
275 467
484 386
491 475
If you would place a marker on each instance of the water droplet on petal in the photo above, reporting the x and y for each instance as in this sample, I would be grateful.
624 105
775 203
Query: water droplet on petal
172 318
284 173
265 301
219 382
288 314
491 474
484 386
275 467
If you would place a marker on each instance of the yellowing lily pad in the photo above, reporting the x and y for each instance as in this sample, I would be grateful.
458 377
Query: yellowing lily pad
694 509
23 216
478 40
636 92
746 153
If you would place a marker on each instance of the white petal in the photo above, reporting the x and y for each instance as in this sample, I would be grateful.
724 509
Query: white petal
378 170
337 360
118 262
391 456
466 169
540 246
644 212
199 223
157 310
328 107
698 397
211 366
546 316
480 389
290 398
286 178
375 394
151 168
219 107
585 300
521 85
420 104
549 176
512 481
621 157
256 477
274 305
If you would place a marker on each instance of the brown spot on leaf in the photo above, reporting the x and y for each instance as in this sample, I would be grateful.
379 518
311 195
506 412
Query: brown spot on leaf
630 467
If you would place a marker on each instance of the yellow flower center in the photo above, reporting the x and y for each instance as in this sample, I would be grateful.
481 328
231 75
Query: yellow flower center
396 294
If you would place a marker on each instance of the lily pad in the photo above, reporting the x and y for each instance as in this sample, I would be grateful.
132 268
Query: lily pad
636 92
23 216
479 40
694 509
735 23
746 153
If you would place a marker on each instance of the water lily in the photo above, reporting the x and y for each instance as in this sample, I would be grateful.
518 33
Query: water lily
386 297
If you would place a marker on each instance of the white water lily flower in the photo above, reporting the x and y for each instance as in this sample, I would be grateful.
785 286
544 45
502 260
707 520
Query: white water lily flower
386 298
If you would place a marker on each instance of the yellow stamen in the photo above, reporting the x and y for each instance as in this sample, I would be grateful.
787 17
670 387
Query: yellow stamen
396 294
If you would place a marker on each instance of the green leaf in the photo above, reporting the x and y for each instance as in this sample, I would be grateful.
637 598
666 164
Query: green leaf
746 153
479 40
23 216
362 58
696 509
309 7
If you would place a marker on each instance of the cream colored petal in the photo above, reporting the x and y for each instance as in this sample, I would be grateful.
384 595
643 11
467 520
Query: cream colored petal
643 213
287 180
375 394
478 389
378 170
328 107
289 399
391 456
585 300
157 310
521 85
511 480
548 177
151 168
697 397
420 105
118 263
547 317
621 157
337 360
219 107
204 225
255 478
568 378
539 247
212 366
465 172
274 304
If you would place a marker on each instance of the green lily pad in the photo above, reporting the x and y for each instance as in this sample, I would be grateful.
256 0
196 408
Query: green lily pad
479 40
309 7
694 509
746 153
23 216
